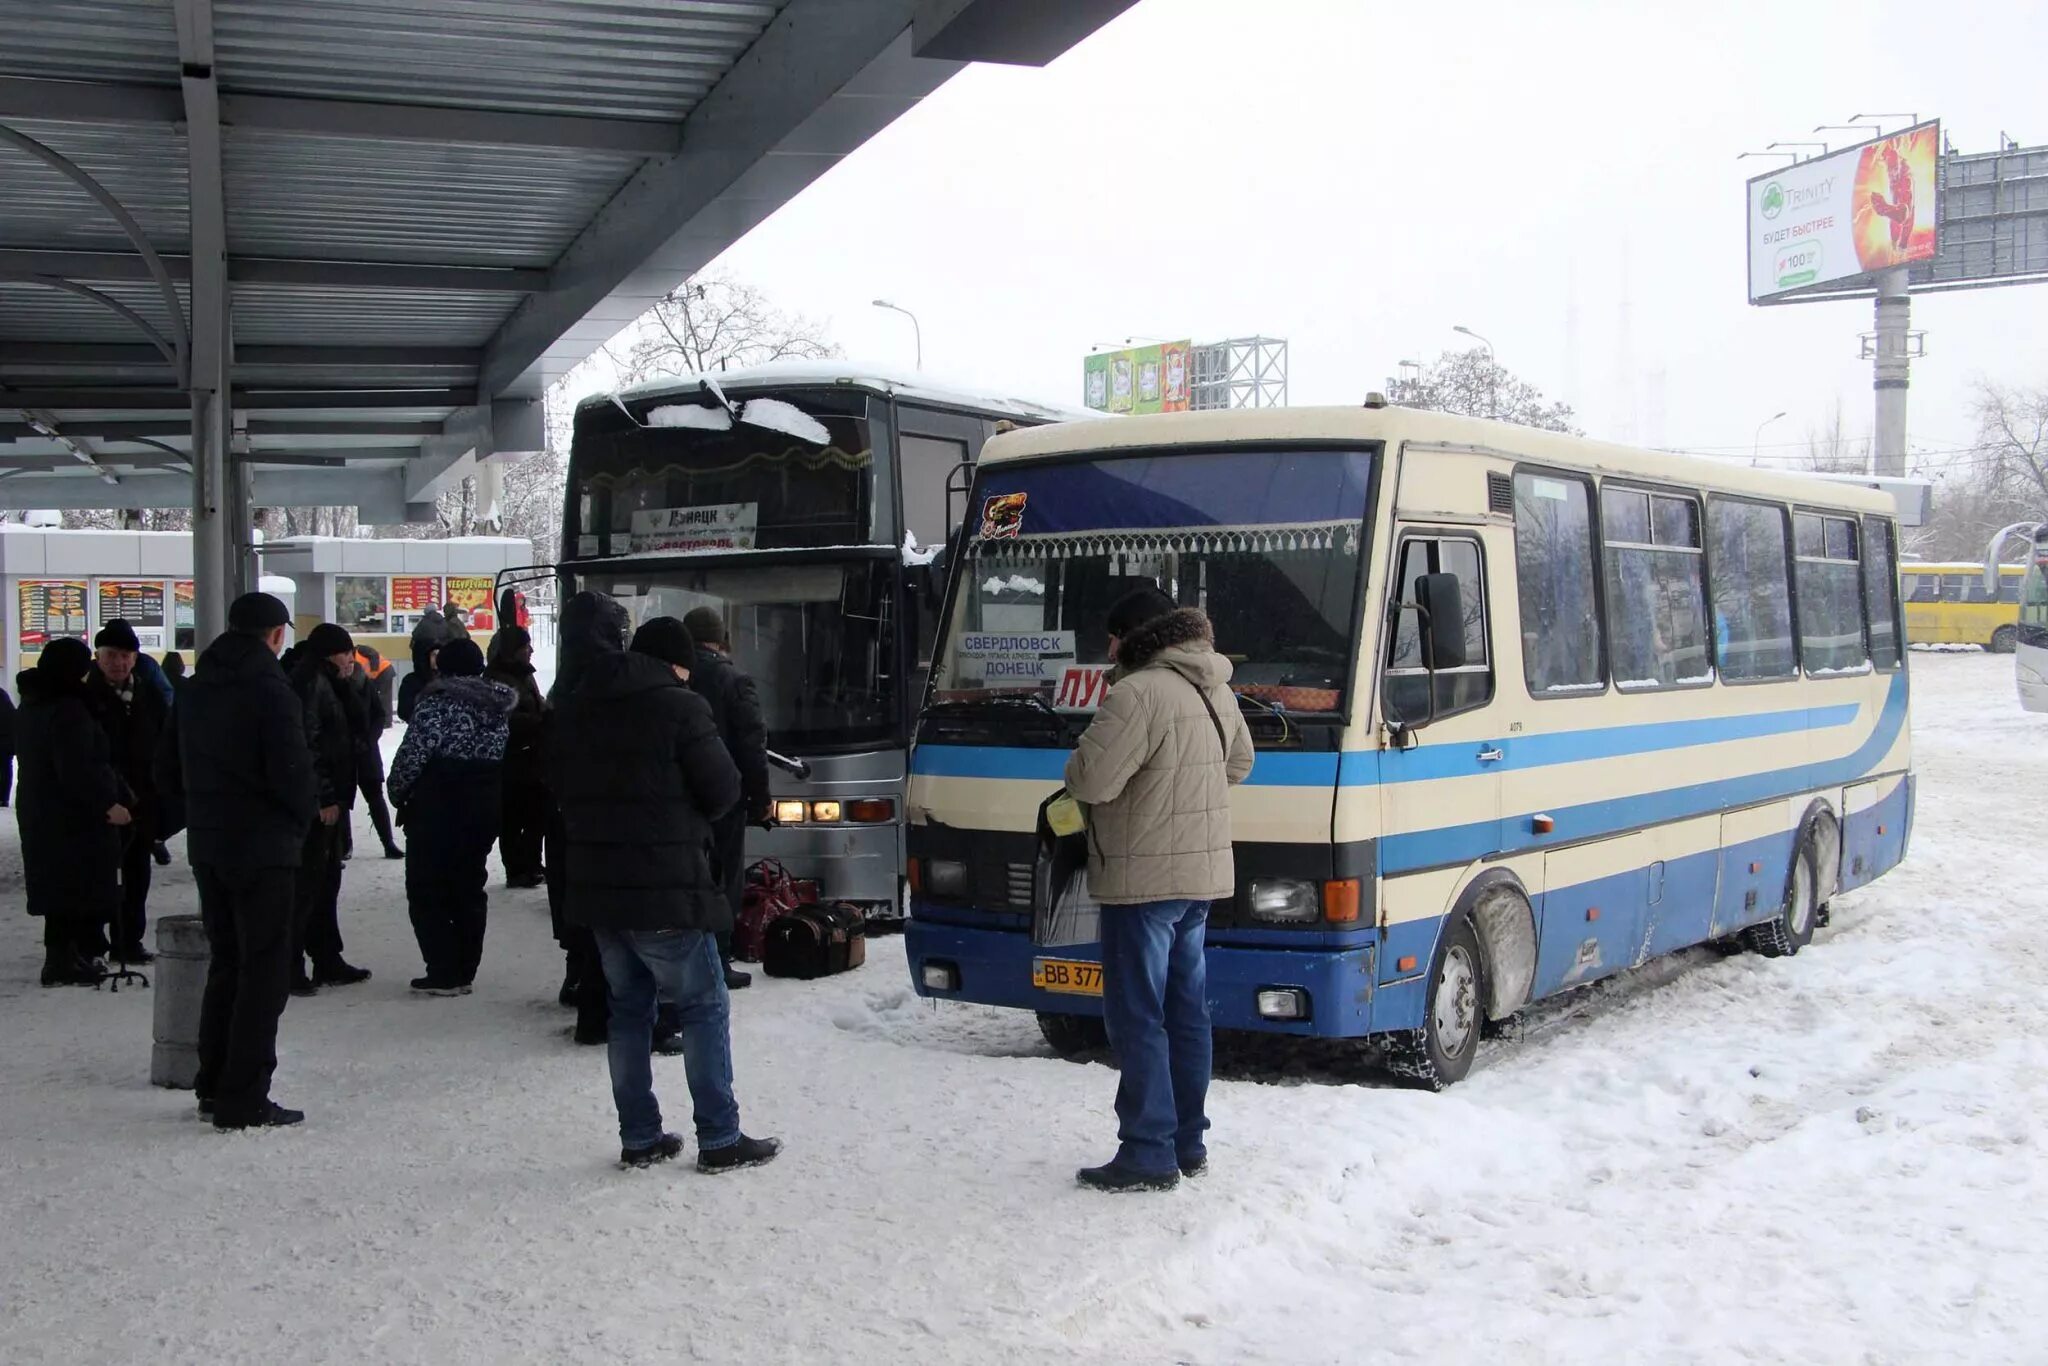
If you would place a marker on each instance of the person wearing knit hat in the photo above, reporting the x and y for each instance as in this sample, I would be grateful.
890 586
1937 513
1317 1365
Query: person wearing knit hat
736 708
71 806
334 729
134 714
447 783
667 640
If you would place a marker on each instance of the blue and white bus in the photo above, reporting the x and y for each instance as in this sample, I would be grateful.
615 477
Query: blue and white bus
1530 710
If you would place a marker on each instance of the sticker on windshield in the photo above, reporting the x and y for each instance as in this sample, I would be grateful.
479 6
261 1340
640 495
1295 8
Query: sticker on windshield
1016 644
1002 516
1082 687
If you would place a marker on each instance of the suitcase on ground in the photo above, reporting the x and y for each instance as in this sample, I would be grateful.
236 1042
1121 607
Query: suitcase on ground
816 940
770 892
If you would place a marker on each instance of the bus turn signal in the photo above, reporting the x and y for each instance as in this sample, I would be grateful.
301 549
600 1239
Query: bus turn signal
1340 901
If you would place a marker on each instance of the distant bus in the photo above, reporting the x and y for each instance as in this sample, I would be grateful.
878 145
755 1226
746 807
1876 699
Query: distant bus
1529 710
808 502
1946 604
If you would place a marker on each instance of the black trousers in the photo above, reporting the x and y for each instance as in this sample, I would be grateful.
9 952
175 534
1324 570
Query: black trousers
248 914
449 907
131 922
316 924
370 777
730 837
523 818
6 779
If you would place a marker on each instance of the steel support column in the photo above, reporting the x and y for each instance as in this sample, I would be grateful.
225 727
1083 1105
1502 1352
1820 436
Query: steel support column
1892 365
216 532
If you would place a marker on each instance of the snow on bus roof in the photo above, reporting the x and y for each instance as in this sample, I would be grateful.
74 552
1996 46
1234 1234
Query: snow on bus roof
785 374
1393 425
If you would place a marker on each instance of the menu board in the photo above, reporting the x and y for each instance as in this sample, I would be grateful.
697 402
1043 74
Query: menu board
50 610
415 593
188 616
140 603
473 596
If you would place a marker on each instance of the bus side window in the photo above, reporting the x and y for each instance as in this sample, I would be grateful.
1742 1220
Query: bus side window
1956 588
1555 573
2008 587
1407 682
1880 605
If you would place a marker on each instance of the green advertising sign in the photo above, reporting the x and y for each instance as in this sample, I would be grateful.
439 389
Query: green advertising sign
1143 379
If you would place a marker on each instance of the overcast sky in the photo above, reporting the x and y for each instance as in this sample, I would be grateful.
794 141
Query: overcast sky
1357 178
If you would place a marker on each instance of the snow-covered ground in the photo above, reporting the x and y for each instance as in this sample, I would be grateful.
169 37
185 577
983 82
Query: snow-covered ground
1836 1158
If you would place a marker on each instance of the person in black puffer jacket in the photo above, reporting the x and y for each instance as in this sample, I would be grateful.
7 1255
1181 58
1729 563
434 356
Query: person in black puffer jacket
593 627
134 716
526 794
736 709
446 785
640 775
319 673
71 808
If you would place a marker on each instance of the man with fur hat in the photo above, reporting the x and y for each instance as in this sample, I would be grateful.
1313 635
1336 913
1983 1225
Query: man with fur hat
1154 769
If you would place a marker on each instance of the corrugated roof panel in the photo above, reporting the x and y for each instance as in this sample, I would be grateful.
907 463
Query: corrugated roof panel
296 315
292 194
141 165
40 313
627 58
97 40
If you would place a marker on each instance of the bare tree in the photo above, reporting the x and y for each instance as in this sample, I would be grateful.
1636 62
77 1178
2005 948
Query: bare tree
1831 450
1476 385
714 322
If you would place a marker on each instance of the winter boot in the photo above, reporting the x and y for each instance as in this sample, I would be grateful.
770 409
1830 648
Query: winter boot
748 1152
735 980
339 974
661 1150
434 986
1113 1177
161 852
270 1116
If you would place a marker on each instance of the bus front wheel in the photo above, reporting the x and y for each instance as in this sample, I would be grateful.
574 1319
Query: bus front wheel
1073 1036
1454 1014
2003 640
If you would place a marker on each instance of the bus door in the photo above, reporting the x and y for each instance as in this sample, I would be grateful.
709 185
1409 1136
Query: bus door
1440 777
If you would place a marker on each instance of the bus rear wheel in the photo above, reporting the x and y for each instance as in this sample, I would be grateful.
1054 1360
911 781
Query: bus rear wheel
1073 1036
1453 1014
2003 640
1791 930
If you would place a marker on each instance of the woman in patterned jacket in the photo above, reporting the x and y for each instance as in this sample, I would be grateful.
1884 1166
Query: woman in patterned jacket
446 784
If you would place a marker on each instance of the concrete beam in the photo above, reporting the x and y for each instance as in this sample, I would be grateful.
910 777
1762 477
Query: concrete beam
1005 32
376 494
158 427
87 355
274 270
96 102
141 399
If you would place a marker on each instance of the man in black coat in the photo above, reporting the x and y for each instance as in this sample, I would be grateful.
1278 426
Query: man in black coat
236 754
736 709
371 683
320 677
525 805
71 808
134 716
640 774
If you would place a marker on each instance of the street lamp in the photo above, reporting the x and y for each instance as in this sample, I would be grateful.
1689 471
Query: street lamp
1756 442
915 330
1492 370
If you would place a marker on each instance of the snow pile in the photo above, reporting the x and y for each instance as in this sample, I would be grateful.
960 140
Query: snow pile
1832 1158
916 555
786 418
694 416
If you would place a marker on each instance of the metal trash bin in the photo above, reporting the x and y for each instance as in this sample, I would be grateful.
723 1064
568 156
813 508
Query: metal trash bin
181 958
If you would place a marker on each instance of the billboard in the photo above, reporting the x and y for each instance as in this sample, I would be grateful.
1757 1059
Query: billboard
1844 216
1141 379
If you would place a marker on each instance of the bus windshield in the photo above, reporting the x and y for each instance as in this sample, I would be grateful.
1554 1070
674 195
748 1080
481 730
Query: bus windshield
814 637
788 470
1267 543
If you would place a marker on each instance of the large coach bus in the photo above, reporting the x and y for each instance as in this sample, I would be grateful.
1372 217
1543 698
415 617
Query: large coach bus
808 502
1529 710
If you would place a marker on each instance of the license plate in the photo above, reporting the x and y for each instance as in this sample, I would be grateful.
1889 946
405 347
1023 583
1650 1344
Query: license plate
1067 975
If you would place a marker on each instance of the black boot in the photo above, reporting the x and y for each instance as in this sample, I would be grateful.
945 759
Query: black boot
339 974
748 1152
735 980
161 852
270 1116
1114 1178
661 1150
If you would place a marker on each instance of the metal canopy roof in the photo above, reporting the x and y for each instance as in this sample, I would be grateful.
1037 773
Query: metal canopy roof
375 230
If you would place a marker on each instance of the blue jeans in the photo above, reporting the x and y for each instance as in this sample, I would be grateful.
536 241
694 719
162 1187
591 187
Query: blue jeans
1155 1001
683 967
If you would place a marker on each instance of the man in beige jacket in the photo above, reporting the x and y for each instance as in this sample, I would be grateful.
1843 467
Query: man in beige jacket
1155 769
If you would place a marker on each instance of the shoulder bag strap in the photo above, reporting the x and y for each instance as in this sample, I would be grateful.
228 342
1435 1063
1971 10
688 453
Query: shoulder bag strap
1214 719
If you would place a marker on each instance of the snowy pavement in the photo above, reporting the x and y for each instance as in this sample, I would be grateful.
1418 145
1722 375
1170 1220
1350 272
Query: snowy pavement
1834 1158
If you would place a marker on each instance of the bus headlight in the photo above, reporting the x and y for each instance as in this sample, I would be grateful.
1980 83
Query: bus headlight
940 975
1283 1003
825 813
789 813
1289 901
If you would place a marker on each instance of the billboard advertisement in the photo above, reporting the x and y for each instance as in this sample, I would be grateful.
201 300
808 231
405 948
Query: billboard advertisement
1844 216
1139 379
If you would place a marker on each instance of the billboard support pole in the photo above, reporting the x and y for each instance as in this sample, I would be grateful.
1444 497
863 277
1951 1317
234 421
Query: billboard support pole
1890 366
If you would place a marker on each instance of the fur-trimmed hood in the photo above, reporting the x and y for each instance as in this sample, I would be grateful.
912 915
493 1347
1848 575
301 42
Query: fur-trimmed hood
1183 641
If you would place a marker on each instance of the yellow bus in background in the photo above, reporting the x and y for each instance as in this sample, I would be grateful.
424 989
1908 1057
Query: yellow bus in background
1946 605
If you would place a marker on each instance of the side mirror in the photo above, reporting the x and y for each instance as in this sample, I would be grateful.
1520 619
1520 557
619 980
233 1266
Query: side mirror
1443 621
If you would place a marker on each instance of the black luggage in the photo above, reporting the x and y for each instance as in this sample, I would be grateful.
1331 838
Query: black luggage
815 940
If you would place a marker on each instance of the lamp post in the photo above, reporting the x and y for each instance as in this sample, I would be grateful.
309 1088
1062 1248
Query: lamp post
1492 370
1756 441
915 331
